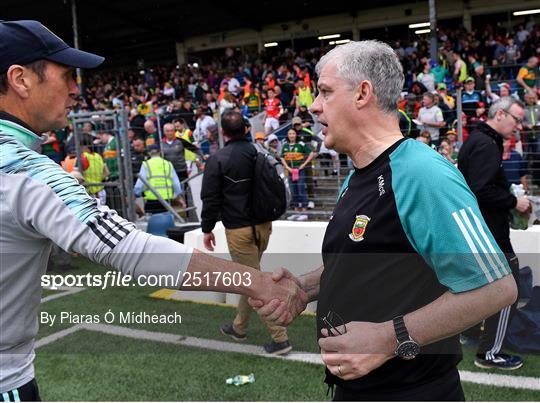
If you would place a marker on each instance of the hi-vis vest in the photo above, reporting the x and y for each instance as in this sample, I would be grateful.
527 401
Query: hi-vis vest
304 97
188 155
94 173
462 71
159 176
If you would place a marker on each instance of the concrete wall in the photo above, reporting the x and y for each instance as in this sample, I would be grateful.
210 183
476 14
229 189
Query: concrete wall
297 247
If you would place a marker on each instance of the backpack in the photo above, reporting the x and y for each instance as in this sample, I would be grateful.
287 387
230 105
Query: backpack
523 334
270 194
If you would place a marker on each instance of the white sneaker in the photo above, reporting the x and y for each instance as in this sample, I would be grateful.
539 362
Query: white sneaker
311 205
302 217
292 217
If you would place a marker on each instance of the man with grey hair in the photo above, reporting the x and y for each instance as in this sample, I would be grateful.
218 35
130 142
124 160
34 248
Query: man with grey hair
401 274
480 162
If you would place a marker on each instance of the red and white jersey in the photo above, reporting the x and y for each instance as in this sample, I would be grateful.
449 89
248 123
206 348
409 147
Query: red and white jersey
272 107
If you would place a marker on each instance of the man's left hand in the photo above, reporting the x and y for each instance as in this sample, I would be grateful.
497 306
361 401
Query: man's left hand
364 347
209 241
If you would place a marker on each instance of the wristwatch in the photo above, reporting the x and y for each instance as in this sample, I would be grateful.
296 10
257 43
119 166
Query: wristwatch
407 348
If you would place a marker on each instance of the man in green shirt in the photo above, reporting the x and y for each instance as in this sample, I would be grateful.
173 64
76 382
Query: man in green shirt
110 155
526 77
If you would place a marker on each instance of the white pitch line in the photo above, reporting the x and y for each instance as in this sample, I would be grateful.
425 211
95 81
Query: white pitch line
516 382
56 336
67 291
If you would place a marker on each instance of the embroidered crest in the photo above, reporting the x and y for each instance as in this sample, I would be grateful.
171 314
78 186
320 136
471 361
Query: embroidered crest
359 228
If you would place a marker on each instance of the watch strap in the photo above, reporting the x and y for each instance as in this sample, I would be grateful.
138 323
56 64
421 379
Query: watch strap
402 333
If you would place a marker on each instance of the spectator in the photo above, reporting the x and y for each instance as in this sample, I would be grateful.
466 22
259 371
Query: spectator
233 84
445 149
405 123
425 138
426 77
186 135
252 98
212 141
160 174
531 134
522 35
470 98
526 77
211 102
460 68
313 143
52 147
202 123
504 91
272 109
110 154
512 55
431 118
260 138
136 123
274 146
227 102
69 164
94 171
451 136
200 91
186 113
445 97
303 113
151 134
285 99
225 194
439 72
138 155
169 91
303 94
270 81
293 157
514 166
477 71
480 162
173 151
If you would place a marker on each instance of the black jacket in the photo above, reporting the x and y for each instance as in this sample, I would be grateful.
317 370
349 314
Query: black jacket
227 185
480 162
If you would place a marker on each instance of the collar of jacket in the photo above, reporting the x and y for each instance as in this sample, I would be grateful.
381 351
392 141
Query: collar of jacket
236 140
14 127
491 132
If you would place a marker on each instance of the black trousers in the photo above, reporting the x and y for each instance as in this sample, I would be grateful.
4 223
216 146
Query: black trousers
154 206
492 338
308 178
29 392
446 388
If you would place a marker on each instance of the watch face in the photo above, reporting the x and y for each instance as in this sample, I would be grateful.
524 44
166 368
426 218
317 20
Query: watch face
408 350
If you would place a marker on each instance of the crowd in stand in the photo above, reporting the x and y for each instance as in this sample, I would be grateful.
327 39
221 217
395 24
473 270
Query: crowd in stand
177 108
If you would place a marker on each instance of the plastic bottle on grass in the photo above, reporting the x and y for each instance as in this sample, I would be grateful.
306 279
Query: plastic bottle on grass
240 380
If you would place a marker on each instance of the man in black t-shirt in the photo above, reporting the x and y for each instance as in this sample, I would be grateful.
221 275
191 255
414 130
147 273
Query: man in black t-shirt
408 259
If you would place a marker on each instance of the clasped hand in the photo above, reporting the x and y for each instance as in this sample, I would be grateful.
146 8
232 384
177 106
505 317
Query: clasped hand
364 347
277 309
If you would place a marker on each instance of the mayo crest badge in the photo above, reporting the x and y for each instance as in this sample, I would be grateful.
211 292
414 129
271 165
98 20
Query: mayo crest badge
359 228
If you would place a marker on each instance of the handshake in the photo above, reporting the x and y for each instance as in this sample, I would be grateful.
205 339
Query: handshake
281 299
